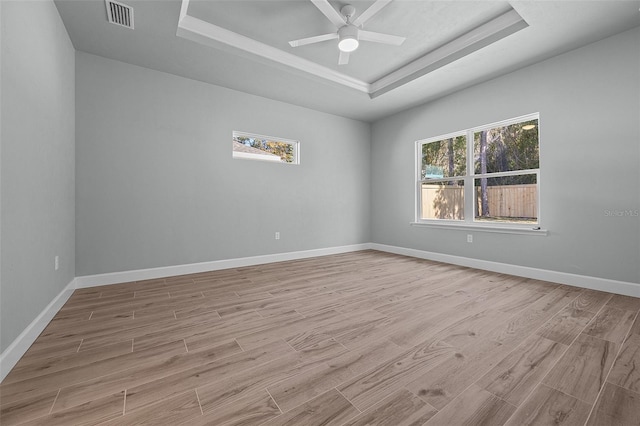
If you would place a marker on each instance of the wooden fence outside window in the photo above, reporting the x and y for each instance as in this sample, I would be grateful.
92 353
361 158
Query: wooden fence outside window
506 201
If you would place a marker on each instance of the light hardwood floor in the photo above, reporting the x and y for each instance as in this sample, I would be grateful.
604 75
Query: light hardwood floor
354 339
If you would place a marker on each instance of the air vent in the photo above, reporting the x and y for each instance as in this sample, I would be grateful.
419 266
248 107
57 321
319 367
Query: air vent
119 14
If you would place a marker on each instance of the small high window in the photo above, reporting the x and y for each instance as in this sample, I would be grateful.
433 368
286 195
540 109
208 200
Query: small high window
248 146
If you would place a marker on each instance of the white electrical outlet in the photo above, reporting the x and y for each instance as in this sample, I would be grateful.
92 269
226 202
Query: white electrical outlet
469 238
56 262
277 235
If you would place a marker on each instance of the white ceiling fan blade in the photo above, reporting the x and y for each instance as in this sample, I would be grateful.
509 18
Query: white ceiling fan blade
344 58
328 11
368 14
311 40
381 38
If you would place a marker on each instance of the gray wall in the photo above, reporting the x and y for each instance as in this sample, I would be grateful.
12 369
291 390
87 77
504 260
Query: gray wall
589 104
157 185
37 167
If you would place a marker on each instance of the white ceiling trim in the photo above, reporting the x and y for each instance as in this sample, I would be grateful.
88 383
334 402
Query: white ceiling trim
484 35
200 31
203 32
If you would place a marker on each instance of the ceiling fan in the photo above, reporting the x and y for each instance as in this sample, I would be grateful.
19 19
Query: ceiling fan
349 33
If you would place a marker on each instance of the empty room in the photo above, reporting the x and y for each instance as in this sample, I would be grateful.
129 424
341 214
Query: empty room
320 212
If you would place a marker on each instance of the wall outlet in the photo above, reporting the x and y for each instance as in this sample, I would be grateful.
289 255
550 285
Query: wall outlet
277 235
56 263
469 238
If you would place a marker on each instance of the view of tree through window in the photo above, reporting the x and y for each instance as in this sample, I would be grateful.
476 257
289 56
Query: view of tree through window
506 149
256 147
499 173
444 158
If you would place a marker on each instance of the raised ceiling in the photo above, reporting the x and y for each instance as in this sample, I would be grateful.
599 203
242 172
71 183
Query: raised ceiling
421 55
426 25
553 27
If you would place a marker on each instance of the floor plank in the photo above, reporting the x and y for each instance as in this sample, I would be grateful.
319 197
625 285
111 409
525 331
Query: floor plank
515 377
252 409
475 406
74 360
371 387
626 370
635 328
616 406
192 378
328 409
27 409
590 300
520 325
565 326
582 370
251 380
180 409
93 412
56 380
626 303
400 409
439 386
153 369
367 356
547 406
294 391
611 324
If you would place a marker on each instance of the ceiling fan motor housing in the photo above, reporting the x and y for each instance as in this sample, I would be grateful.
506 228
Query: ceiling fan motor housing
348 31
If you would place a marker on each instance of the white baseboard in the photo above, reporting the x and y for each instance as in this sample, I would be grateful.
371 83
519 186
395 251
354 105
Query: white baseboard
602 284
194 268
12 354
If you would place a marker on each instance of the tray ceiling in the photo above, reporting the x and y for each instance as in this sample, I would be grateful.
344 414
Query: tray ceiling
426 26
158 42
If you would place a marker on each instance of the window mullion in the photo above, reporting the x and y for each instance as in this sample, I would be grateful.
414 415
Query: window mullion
417 174
509 173
469 210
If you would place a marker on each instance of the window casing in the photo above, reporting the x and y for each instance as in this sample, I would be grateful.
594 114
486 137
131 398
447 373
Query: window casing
250 146
483 177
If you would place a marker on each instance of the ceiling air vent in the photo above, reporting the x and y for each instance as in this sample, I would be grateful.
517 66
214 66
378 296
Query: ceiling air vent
119 14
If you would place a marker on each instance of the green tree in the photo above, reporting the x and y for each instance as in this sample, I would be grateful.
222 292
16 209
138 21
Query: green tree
509 148
281 149
445 157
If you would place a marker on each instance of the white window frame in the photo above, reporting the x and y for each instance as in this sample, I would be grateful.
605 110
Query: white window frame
469 222
255 157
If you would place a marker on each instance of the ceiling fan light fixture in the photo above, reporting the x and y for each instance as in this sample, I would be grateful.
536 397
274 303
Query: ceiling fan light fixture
348 44
348 36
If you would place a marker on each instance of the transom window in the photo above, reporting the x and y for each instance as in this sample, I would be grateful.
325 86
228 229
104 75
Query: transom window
481 176
249 146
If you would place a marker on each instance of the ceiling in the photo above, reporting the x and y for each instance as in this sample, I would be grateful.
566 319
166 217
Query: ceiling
242 45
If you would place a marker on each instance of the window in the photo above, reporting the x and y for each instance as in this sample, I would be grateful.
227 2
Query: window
483 176
248 146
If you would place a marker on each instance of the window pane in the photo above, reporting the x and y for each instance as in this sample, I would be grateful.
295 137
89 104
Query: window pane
444 158
507 148
263 148
507 199
442 200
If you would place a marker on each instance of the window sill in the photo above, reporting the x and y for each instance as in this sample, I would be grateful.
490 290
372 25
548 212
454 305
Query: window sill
483 228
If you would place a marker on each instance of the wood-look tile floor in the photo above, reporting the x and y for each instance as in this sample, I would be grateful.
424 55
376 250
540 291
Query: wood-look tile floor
354 339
